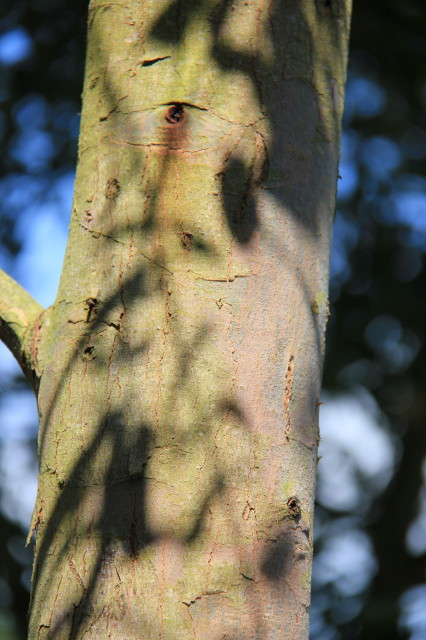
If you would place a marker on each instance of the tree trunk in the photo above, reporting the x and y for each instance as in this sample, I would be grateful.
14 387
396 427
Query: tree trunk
178 372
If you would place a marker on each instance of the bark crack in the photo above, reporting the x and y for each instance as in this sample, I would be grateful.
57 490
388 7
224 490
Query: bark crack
198 276
201 595
288 394
149 63
77 575
98 234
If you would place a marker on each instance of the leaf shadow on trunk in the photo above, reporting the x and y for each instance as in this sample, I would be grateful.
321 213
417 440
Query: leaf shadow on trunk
288 169
111 472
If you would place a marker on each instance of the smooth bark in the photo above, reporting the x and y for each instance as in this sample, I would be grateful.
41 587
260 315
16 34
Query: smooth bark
20 318
180 365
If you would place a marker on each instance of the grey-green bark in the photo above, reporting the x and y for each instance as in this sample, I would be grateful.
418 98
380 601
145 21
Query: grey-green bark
20 316
179 368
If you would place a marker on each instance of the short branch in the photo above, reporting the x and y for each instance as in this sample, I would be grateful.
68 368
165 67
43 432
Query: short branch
18 313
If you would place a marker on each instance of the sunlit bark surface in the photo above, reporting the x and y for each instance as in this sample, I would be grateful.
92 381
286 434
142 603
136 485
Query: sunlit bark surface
179 367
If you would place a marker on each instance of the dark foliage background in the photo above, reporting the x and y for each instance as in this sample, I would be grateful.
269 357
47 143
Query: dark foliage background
369 576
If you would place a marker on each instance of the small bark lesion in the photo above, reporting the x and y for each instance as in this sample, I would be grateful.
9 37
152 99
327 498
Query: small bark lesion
186 239
112 189
92 305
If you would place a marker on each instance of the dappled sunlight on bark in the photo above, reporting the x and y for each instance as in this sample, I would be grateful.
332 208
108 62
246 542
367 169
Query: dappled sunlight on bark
179 367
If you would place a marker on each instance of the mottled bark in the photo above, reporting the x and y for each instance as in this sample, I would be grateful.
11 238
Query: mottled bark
180 364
